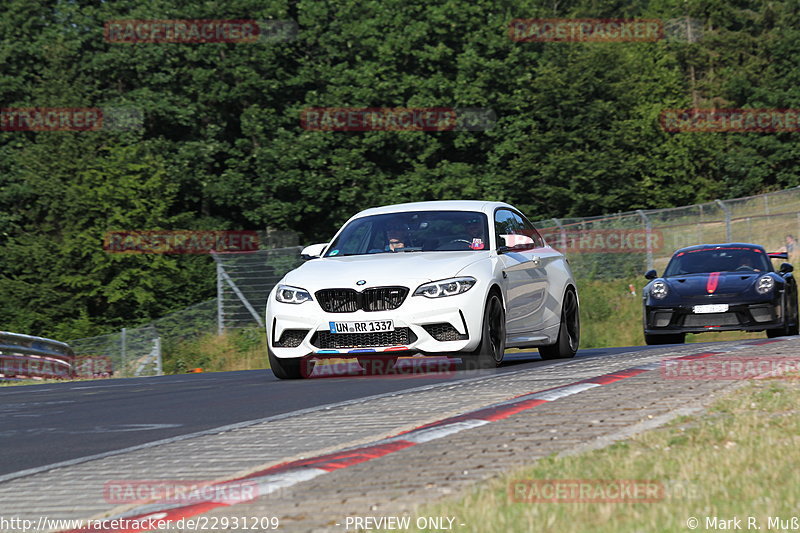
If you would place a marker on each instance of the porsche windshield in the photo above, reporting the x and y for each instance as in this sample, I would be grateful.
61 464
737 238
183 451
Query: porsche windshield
732 259
413 231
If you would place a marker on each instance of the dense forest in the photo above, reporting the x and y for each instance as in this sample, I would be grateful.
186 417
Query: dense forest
220 143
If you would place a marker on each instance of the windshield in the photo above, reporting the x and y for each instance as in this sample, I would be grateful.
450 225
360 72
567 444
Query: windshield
413 231
739 259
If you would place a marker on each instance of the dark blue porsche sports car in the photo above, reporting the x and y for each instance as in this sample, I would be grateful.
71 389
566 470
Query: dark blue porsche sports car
720 287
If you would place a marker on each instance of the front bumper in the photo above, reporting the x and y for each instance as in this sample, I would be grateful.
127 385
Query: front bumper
422 325
739 317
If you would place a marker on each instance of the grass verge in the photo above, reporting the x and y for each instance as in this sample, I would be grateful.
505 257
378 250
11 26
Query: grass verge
738 459
239 349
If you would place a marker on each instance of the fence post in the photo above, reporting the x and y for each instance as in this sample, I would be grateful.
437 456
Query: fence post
157 349
123 340
648 231
220 294
727 210
562 235
699 236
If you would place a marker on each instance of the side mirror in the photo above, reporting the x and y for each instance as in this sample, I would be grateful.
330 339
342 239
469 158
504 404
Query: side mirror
786 268
313 251
650 274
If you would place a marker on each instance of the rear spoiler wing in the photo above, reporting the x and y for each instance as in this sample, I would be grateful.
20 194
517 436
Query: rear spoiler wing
778 255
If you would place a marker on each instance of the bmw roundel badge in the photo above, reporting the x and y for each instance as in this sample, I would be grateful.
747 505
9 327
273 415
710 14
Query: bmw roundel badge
361 282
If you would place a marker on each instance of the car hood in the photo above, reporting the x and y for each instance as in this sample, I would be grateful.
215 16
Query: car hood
407 268
715 283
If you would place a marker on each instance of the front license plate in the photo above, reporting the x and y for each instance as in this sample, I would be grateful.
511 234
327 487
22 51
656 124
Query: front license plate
370 326
710 308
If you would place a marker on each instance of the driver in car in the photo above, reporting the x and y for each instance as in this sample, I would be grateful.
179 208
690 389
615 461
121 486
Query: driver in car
477 240
395 238
747 263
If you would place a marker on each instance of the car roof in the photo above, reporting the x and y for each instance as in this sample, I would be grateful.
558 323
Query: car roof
697 247
438 205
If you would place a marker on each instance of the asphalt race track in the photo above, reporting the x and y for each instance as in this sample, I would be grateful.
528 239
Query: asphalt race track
48 424
341 444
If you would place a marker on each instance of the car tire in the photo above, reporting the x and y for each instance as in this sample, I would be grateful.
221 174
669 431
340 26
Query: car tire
569 330
294 368
672 338
794 326
790 326
491 349
777 332
378 366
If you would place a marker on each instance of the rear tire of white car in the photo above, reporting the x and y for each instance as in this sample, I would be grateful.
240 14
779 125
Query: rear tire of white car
569 332
294 368
490 351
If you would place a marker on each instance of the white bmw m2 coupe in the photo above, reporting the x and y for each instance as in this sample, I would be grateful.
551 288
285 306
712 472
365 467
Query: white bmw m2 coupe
464 279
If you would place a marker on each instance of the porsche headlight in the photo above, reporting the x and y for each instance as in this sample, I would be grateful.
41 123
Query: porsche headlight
659 290
765 284
292 295
445 287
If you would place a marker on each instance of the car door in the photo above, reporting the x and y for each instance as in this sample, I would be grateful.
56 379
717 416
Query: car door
520 254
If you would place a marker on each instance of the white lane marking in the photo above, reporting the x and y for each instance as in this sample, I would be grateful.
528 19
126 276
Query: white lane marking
562 392
271 482
650 366
123 428
420 436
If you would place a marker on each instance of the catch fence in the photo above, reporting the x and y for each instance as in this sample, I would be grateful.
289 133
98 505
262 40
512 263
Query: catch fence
626 244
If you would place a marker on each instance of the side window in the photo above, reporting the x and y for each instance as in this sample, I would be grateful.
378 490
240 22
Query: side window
533 233
510 231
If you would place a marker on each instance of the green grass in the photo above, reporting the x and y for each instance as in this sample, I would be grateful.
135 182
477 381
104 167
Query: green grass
29 382
739 459
237 349
610 314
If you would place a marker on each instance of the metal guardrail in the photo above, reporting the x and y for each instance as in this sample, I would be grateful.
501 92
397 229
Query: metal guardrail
26 356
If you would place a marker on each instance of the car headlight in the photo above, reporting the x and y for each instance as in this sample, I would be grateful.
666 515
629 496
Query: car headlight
445 287
765 284
292 295
659 290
